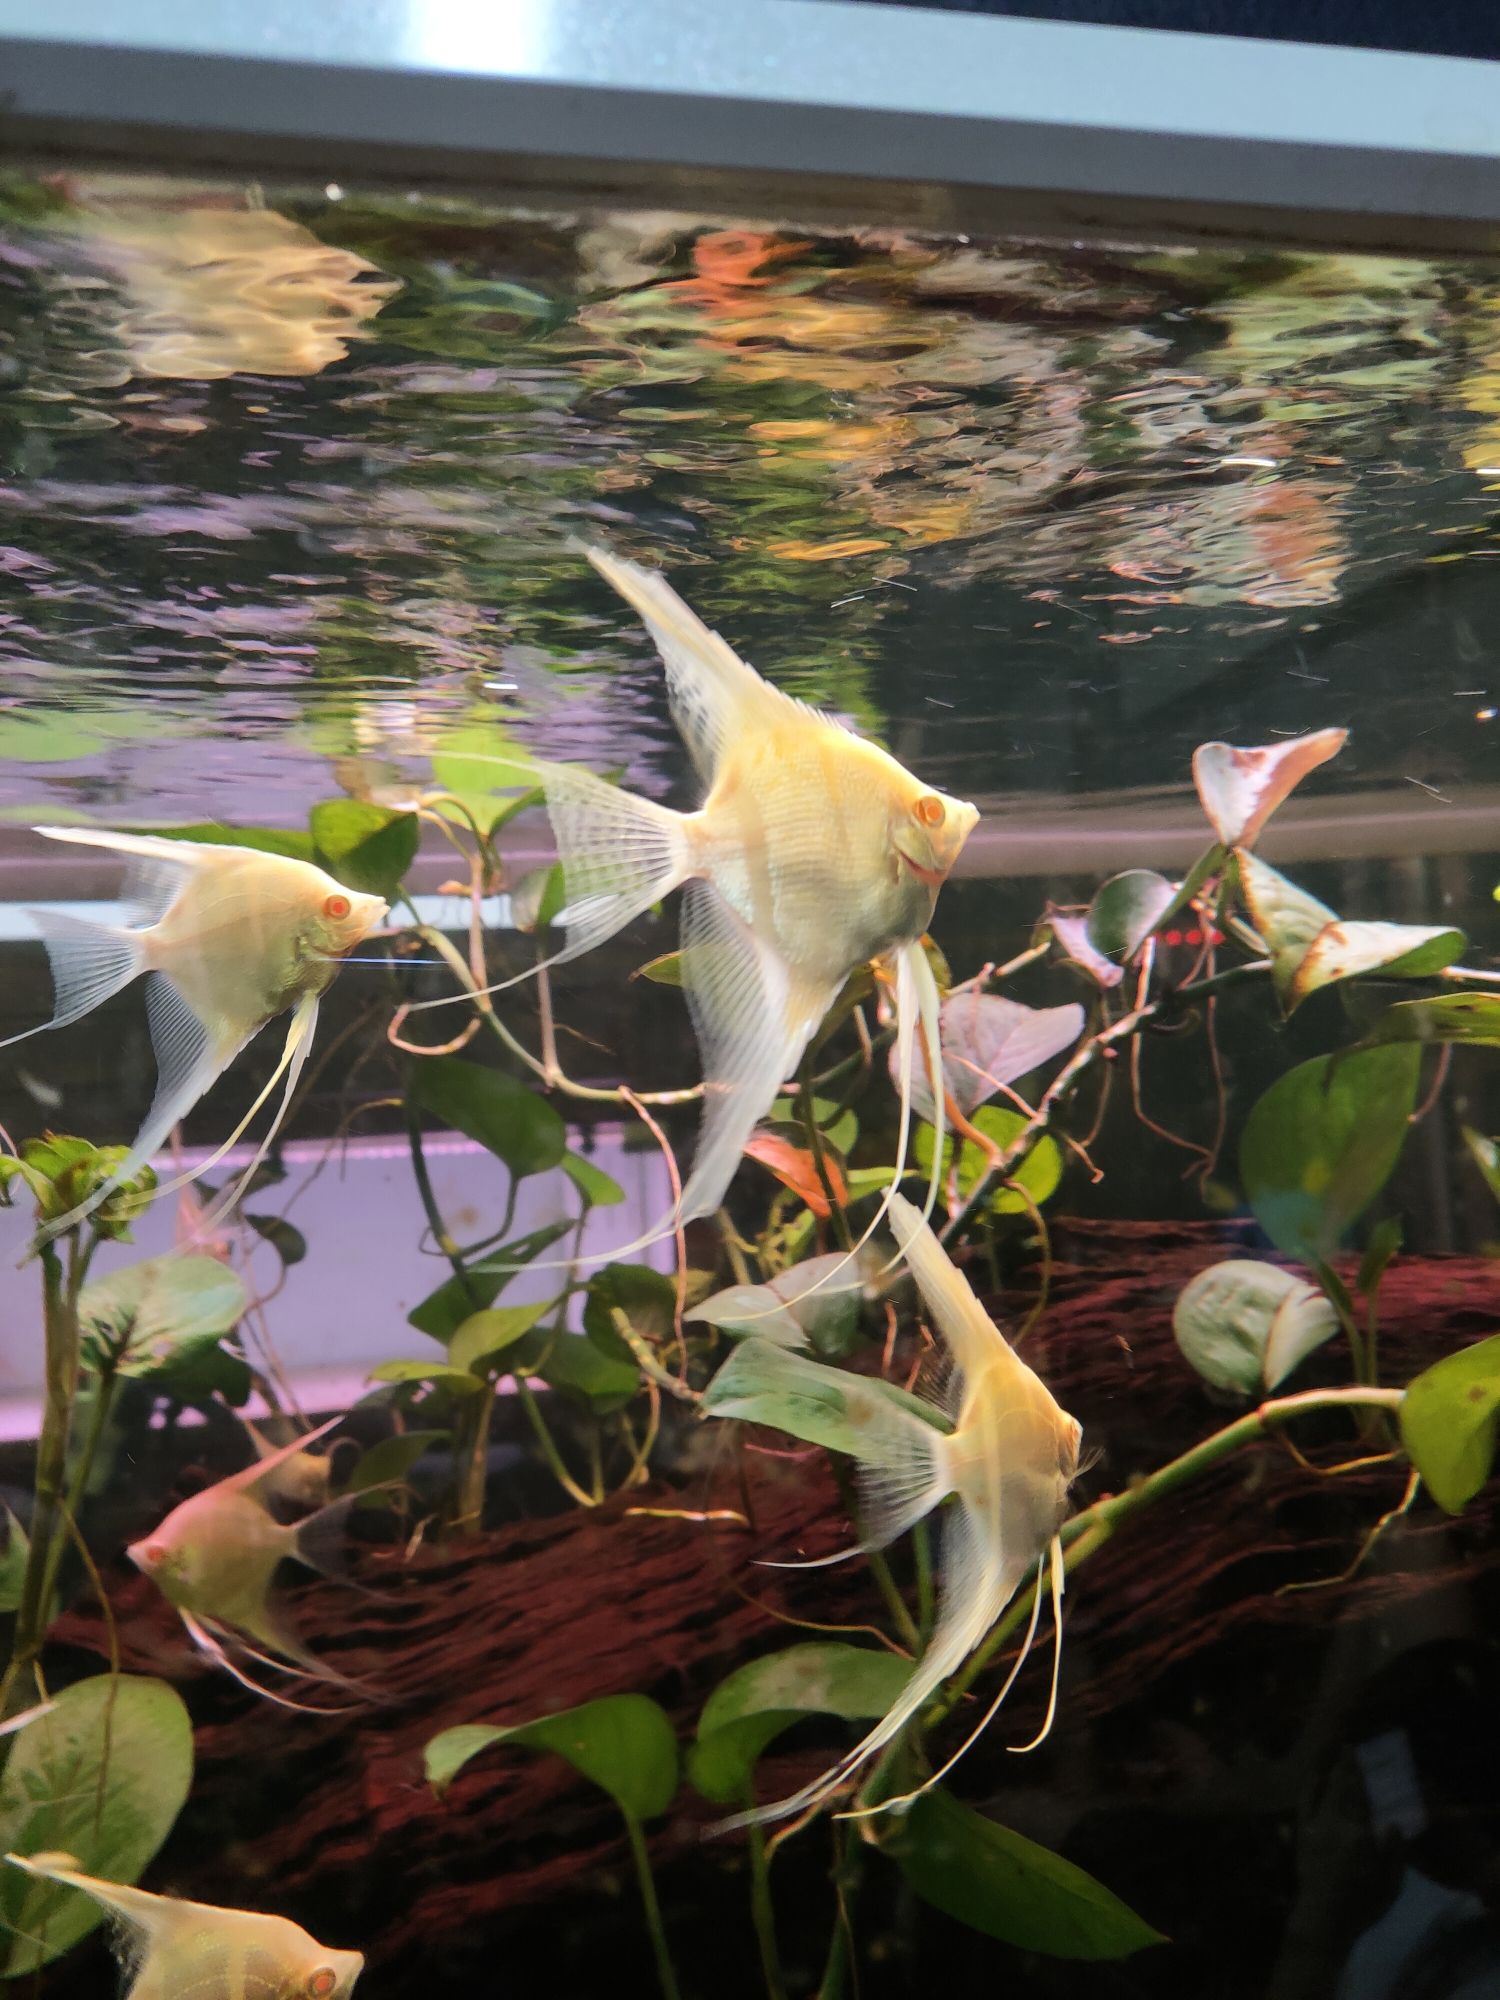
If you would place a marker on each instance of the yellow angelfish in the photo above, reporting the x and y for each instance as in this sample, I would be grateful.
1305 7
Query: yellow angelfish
176 1950
1008 1463
813 853
230 938
215 1556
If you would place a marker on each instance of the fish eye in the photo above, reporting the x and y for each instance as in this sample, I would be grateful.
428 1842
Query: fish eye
155 1553
337 907
322 1982
929 809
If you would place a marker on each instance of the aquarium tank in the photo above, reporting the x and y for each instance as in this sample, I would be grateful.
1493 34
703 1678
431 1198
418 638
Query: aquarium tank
749 1098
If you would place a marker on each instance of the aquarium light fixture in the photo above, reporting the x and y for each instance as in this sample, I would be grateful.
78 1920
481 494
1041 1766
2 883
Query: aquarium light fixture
1078 126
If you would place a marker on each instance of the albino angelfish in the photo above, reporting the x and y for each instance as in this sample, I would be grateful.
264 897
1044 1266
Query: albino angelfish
176 1950
214 1559
1007 1463
813 853
230 938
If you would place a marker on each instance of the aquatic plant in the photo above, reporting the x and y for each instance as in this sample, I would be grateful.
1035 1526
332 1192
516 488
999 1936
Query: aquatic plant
1315 1152
807 1338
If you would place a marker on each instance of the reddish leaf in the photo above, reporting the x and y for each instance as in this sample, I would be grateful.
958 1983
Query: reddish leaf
1072 933
1240 789
797 1170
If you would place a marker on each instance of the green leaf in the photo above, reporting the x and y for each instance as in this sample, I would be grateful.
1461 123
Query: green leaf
290 841
388 1462
1448 1422
839 1128
483 1335
536 899
815 1304
444 1311
578 1369
1039 1173
1244 1324
475 775
596 1186
1385 1241
647 1298
762 1384
1126 910
1322 1142
101 1777
1446 1017
1008 1887
1345 949
663 971
13 1564
495 1110
1287 917
365 846
758 1701
156 1305
196 1371
288 1242
441 1373
623 1743
1485 1153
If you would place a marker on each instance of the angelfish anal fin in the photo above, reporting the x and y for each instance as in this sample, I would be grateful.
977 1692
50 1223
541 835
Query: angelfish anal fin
753 1017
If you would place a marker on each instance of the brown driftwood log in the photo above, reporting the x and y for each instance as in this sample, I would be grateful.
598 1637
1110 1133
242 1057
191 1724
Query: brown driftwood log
1185 1648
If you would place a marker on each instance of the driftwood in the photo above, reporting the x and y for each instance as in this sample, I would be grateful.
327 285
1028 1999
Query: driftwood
1198 1689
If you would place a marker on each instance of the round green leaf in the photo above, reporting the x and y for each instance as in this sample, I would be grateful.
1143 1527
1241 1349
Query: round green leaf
1448 1423
1322 1142
157 1305
758 1701
365 846
495 1110
1008 1887
598 1189
762 1384
1125 911
135 1732
1039 1173
483 1335
1445 1017
439 1372
624 1743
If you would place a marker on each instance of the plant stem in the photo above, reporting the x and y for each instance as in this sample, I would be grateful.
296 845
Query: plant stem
846 1874
548 1444
921 1544
664 1972
60 1332
1004 1163
764 1913
1094 1526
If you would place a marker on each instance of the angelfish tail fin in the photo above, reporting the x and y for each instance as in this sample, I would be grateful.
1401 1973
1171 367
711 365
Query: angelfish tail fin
620 854
90 963
188 1060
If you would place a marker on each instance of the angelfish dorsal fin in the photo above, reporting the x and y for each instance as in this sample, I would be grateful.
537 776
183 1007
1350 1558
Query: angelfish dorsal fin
712 690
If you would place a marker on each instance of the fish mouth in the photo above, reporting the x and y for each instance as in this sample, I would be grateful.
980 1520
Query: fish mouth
933 877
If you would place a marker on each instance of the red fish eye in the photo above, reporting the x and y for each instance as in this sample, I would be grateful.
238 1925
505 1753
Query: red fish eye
322 1982
929 809
154 1553
337 907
